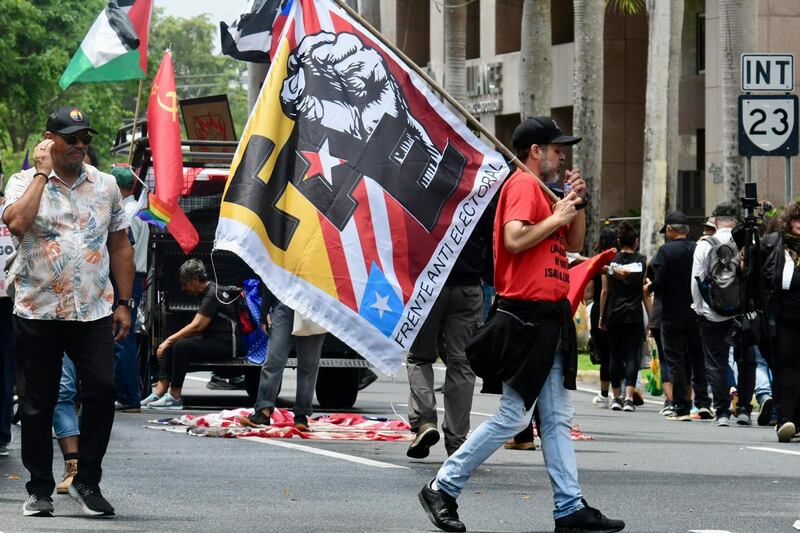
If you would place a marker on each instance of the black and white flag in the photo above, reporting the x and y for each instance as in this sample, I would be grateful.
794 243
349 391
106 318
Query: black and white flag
250 36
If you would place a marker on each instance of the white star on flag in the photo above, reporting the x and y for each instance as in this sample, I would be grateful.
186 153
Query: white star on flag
381 304
321 163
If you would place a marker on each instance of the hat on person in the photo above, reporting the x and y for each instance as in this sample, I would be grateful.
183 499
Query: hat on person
540 130
711 222
725 210
124 176
68 119
673 219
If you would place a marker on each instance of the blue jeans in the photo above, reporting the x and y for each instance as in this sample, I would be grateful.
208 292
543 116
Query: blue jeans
763 375
65 421
126 356
309 350
555 411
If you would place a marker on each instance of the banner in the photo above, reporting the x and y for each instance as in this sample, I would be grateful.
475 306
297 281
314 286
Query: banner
354 188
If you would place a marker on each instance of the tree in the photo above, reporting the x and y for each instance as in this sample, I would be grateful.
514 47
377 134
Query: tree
738 31
673 99
654 179
198 71
535 59
455 49
34 57
588 107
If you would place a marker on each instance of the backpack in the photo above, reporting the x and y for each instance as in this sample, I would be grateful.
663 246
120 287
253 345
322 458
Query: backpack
722 288
235 297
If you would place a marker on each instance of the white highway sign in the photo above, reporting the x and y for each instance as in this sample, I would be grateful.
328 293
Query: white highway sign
768 125
767 72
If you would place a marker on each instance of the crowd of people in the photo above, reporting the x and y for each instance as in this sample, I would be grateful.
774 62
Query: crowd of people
81 273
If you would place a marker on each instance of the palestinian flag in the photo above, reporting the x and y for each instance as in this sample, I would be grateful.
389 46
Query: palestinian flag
116 46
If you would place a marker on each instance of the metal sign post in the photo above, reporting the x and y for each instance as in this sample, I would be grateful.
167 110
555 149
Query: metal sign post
768 123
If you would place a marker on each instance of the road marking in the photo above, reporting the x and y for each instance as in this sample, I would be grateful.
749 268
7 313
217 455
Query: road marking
326 453
709 531
595 391
204 380
441 410
774 450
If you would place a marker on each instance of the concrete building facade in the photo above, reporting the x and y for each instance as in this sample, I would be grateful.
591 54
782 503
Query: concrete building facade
493 58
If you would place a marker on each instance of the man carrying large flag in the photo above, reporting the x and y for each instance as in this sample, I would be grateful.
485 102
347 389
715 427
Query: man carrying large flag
115 48
165 144
354 188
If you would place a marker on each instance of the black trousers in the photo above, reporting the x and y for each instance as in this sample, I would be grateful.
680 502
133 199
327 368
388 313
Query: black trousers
786 382
175 362
683 351
716 350
40 345
625 342
601 345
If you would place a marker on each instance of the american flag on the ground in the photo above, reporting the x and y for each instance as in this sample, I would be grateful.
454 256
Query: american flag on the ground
353 188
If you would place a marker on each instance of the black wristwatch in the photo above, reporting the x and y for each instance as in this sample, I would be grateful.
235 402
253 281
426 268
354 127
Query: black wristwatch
129 303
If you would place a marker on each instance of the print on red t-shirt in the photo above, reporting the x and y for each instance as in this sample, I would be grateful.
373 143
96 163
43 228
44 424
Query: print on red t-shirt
539 273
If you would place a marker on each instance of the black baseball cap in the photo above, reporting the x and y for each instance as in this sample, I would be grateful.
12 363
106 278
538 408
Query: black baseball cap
540 130
68 119
674 218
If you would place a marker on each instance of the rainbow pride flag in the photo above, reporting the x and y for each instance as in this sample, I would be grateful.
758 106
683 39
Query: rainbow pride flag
155 212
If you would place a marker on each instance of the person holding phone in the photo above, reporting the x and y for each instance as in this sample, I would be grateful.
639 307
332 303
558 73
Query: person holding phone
73 233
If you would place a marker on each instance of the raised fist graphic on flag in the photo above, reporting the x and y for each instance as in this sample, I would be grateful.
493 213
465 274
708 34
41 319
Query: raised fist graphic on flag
337 81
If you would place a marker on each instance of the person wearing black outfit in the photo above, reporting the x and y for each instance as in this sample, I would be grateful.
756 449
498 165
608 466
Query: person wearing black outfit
211 335
608 239
621 314
453 319
680 334
781 274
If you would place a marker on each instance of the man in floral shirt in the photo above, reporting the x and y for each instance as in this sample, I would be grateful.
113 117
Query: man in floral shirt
72 229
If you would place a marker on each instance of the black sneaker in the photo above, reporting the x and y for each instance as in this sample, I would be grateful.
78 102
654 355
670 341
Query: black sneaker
628 406
91 499
441 508
587 519
237 382
616 404
301 422
256 419
37 505
426 437
765 415
218 383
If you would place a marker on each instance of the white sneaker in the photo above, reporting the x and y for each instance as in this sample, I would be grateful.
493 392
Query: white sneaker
600 401
147 401
166 402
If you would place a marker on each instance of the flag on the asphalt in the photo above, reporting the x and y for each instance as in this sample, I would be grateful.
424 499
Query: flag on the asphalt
116 46
354 188
165 144
580 275
249 37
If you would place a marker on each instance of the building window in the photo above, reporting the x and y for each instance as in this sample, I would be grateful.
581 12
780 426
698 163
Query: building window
507 26
701 43
474 29
562 21
414 30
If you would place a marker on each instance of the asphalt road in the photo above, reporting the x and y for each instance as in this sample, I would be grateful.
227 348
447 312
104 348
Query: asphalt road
658 476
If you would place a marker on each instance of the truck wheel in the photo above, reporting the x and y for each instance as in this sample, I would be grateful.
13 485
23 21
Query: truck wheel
337 388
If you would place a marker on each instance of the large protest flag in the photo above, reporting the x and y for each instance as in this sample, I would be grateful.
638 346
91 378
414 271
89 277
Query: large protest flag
354 188
165 144
115 48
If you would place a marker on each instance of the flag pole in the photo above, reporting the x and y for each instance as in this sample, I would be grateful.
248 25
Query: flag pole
135 116
452 101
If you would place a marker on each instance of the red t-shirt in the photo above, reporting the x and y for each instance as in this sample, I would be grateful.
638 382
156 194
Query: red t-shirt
539 273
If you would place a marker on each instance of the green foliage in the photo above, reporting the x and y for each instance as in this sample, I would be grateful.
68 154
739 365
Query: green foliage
626 7
39 40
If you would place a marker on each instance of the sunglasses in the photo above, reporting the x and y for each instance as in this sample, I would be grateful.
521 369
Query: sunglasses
72 138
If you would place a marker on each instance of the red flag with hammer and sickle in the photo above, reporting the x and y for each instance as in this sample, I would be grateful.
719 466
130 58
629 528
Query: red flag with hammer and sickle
165 144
